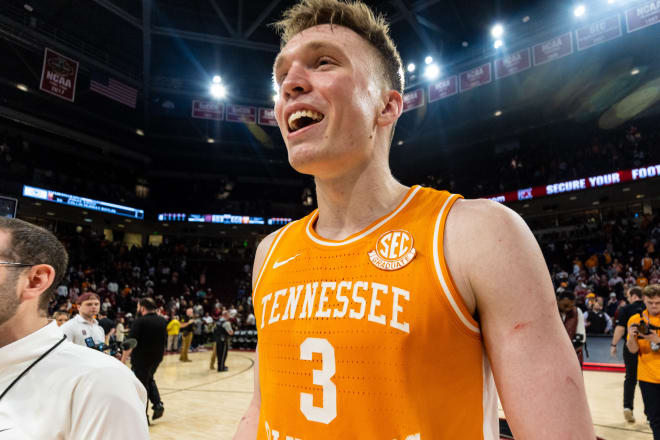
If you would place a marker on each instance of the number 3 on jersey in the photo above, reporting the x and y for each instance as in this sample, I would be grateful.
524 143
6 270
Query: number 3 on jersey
328 411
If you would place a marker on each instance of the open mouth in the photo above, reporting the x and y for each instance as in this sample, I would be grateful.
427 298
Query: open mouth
303 118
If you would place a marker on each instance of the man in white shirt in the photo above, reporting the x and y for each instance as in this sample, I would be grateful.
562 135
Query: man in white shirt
49 387
84 326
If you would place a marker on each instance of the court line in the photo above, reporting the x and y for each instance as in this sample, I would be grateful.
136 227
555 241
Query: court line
623 429
192 388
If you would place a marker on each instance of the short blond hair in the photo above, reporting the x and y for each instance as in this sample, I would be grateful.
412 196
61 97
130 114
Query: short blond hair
354 15
651 291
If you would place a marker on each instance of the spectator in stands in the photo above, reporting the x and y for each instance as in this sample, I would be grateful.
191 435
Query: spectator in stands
150 332
60 317
187 332
643 339
573 321
173 328
83 329
597 322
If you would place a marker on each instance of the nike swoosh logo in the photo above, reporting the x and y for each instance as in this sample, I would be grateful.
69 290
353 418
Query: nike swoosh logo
282 263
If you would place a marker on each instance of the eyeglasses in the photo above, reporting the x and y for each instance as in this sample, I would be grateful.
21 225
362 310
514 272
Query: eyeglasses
8 263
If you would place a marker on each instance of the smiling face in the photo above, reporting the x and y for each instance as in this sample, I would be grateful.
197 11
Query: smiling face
333 95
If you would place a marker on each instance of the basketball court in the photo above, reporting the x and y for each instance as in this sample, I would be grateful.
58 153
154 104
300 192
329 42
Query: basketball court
201 403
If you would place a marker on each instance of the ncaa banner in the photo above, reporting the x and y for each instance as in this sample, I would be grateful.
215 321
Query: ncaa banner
267 117
553 49
512 63
476 77
241 113
599 32
413 100
208 110
443 89
58 75
644 15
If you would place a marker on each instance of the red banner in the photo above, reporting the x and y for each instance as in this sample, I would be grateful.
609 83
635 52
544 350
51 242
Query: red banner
413 100
208 110
644 15
443 88
512 63
241 113
599 32
553 49
267 117
579 184
58 75
476 77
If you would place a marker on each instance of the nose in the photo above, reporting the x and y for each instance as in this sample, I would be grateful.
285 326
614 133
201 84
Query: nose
296 82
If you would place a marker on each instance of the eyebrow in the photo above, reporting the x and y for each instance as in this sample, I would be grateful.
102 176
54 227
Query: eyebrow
312 45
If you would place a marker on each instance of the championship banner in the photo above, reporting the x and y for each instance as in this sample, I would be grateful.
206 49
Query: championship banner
208 110
513 63
476 77
644 15
58 75
599 32
241 113
413 100
267 117
553 49
613 178
443 89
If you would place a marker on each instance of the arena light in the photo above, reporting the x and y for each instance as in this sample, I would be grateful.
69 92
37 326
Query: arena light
579 11
465 44
22 87
498 113
428 59
634 72
526 19
411 67
217 79
210 140
218 91
432 71
139 132
497 31
498 44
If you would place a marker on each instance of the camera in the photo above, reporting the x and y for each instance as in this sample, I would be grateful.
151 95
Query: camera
578 341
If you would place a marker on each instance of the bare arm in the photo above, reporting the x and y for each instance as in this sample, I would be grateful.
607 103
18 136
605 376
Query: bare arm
619 330
632 344
249 424
534 364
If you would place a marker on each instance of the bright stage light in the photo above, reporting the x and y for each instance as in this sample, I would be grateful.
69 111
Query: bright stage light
218 91
634 72
428 60
432 71
498 113
411 67
497 31
22 87
217 79
498 44
139 132
580 11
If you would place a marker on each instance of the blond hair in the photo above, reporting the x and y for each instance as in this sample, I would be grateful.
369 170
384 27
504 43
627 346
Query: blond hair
354 15
651 291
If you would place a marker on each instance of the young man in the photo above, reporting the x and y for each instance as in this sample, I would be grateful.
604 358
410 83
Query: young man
60 317
635 306
49 387
83 329
375 320
644 340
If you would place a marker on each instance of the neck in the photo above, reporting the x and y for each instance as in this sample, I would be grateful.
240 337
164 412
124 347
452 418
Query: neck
349 203
88 318
20 326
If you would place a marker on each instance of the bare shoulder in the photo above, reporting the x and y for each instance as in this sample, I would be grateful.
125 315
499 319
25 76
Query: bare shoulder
260 254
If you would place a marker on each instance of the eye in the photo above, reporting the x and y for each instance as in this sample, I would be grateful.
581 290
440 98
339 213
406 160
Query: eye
324 61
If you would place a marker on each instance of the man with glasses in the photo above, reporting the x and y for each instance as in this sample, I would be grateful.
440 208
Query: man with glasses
49 387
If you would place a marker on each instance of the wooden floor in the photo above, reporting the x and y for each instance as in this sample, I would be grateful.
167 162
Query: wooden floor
201 403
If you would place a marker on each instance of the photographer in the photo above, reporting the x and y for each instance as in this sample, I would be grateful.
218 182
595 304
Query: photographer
573 321
644 340
49 387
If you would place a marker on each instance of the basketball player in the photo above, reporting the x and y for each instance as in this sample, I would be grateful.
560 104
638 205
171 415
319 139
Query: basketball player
382 314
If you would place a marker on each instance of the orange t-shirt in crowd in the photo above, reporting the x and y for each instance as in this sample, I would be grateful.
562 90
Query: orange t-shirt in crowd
646 263
648 367
592 261
367 337
642 282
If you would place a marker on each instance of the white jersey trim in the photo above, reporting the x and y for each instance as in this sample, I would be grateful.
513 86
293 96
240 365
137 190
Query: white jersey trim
490 399
267 259
365 233
438 270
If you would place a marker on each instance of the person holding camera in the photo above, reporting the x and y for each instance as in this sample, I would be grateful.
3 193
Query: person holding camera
644 339
49 387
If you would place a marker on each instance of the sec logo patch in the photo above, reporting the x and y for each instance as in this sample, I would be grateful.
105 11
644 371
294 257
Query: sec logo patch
394 250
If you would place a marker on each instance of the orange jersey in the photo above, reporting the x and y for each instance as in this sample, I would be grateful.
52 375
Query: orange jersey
648 368
367 337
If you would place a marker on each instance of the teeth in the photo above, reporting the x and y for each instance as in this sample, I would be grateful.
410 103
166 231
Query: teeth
294 118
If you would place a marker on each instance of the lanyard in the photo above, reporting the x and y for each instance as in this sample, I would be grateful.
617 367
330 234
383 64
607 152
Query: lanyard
30 367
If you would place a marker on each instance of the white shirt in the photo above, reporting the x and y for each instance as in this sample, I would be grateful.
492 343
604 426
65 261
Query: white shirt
74 393
113 287
78 329
63 291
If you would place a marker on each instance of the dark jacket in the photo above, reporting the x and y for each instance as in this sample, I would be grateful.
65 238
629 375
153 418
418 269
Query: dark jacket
150 331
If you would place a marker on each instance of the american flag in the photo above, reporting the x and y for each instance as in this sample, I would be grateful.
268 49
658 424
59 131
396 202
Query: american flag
113 89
